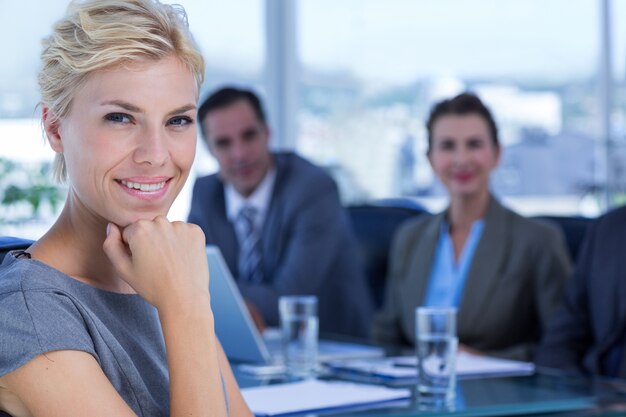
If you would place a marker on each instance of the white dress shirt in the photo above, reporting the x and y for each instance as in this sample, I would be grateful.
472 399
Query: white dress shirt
260 199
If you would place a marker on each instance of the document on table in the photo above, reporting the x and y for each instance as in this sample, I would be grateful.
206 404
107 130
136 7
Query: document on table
405 367
316 395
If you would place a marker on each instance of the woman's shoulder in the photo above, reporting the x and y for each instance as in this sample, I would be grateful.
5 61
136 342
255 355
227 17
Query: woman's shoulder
420 222
531 231
26 275
411 231
16 274
36 314
38 288
534 227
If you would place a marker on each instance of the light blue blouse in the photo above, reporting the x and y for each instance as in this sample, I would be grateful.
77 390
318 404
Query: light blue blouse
448 277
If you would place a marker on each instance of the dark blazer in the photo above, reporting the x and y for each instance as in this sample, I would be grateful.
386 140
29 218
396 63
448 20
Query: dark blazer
307 245
513 285
592 319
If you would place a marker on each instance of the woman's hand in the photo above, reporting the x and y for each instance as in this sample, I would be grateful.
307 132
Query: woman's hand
166 264
471 351
163 261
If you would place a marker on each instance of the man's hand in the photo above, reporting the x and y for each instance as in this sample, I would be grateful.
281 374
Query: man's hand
257 318
471 351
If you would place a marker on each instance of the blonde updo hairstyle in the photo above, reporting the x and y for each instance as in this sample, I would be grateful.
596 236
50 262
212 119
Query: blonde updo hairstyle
97 34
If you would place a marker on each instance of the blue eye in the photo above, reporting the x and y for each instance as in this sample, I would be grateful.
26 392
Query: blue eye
118 117
180 121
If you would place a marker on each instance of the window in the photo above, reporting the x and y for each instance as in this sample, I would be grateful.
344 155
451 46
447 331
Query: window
23 152
373 68
368 72
230 35
618 110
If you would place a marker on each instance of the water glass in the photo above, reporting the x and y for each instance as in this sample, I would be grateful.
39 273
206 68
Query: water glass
436 347
299 325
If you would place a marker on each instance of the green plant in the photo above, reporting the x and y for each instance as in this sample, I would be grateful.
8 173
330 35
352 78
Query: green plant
30 184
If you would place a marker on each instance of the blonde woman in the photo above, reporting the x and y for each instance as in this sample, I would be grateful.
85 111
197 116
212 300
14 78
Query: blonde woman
108 314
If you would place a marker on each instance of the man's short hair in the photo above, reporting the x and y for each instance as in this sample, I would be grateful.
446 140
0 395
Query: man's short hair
226 96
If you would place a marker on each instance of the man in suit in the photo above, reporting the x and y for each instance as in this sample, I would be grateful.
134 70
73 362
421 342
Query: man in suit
277 219
588 333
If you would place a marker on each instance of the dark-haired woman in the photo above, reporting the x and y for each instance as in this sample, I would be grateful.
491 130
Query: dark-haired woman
503 272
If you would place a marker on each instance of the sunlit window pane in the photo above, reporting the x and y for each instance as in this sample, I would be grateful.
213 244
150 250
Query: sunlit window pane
373 68
230 35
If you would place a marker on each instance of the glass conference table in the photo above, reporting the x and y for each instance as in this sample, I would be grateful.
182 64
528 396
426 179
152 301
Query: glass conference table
545 393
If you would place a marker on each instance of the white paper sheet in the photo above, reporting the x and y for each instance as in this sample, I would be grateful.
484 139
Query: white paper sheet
405 367
316 395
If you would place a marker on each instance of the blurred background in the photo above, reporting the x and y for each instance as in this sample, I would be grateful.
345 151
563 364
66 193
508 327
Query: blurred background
349 85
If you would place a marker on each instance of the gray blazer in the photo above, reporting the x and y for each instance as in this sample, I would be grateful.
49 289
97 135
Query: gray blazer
307 246
514 283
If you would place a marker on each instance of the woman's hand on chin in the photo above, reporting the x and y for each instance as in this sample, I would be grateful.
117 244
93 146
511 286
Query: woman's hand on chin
163 261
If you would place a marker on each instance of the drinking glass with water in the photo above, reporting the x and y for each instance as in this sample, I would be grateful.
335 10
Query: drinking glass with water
299 325
436 347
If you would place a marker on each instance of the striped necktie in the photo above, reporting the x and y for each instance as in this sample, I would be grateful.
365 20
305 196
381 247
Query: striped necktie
249 245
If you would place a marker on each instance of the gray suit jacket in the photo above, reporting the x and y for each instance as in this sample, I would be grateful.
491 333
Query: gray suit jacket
514 283
307 246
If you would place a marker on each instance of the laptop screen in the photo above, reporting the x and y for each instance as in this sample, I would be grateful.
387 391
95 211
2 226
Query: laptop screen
233 325
238 334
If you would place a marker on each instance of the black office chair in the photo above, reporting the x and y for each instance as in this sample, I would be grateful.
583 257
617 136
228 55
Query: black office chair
574 229
374 226
9 243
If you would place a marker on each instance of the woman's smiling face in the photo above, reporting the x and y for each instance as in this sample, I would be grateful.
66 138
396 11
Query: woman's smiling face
129 139
463 154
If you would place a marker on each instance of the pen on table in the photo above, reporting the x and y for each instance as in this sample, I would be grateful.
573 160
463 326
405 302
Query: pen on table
403 364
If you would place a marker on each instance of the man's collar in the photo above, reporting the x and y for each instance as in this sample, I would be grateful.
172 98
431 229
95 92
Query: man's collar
259 199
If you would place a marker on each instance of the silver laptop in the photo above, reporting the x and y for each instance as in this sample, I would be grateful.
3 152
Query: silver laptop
240 338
